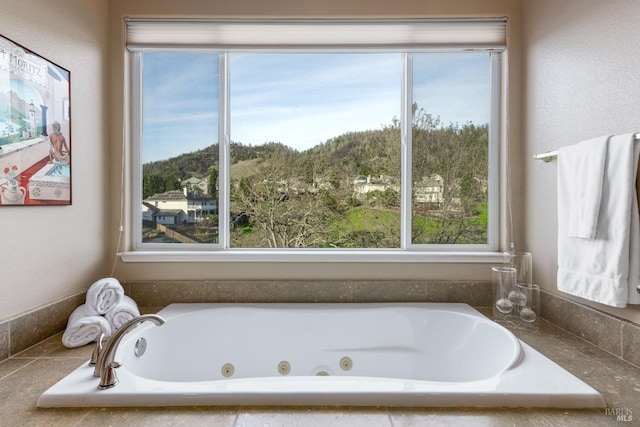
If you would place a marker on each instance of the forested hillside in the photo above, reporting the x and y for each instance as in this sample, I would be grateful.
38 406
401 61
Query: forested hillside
288 198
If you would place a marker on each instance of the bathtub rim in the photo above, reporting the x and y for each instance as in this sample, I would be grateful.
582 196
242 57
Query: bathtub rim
464 311
338 391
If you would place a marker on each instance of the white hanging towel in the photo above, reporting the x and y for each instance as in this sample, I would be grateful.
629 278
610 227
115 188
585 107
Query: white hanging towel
601 264
634 240
583 170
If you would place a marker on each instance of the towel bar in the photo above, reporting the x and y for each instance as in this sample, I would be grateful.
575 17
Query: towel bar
550 155
546 156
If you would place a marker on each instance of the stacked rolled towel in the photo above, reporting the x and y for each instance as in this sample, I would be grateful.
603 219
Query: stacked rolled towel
122 313
105 310
84 327
104 295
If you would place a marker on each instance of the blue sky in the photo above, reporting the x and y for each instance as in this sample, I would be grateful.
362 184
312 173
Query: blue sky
300 100
180 104
304 100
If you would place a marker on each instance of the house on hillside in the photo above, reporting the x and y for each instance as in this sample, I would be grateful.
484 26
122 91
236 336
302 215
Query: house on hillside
299 185
430 189
177 207
366 184
154 215
196 185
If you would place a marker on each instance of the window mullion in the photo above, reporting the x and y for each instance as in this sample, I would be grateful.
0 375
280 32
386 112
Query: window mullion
494 156
224 126
405 141
136 147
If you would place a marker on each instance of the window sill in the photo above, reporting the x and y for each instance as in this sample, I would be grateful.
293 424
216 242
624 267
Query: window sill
317 256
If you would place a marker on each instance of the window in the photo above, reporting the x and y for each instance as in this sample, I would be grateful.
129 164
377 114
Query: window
353 137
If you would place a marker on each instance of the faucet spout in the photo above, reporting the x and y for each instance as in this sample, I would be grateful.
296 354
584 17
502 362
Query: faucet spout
106 362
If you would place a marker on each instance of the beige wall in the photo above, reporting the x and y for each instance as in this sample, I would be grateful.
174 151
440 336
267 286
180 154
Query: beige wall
48 253
118 9
579 79
581 66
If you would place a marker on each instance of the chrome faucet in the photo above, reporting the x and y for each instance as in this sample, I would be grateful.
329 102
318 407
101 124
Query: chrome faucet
105 364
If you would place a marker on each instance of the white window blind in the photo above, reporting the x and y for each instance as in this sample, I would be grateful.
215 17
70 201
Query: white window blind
149 34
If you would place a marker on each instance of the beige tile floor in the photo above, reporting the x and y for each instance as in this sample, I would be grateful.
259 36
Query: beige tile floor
25 376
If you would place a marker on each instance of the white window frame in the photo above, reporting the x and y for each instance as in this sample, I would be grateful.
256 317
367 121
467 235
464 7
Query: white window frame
147 35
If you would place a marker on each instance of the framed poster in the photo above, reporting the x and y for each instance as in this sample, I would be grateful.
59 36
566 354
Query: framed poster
35 129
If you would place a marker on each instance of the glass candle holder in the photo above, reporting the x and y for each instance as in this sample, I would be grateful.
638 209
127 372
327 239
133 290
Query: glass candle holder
503 279
522 262
528 307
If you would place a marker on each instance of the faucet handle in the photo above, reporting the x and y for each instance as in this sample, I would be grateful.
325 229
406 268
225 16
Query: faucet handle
96 350
109 377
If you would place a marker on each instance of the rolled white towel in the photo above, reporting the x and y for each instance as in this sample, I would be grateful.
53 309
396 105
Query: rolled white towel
83 328
104 295
122 313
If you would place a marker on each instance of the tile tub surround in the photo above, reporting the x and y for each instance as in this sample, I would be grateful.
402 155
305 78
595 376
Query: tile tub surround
24 331
613 335
162 293
25 376
619 337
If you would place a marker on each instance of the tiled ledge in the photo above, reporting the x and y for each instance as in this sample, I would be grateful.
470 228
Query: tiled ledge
162 293
612 334
616 336
22 332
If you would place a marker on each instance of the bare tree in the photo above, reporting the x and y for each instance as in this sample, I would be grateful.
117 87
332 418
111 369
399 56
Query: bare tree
459 154
284 211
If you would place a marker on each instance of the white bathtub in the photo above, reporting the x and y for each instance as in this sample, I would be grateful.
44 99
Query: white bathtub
405 354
